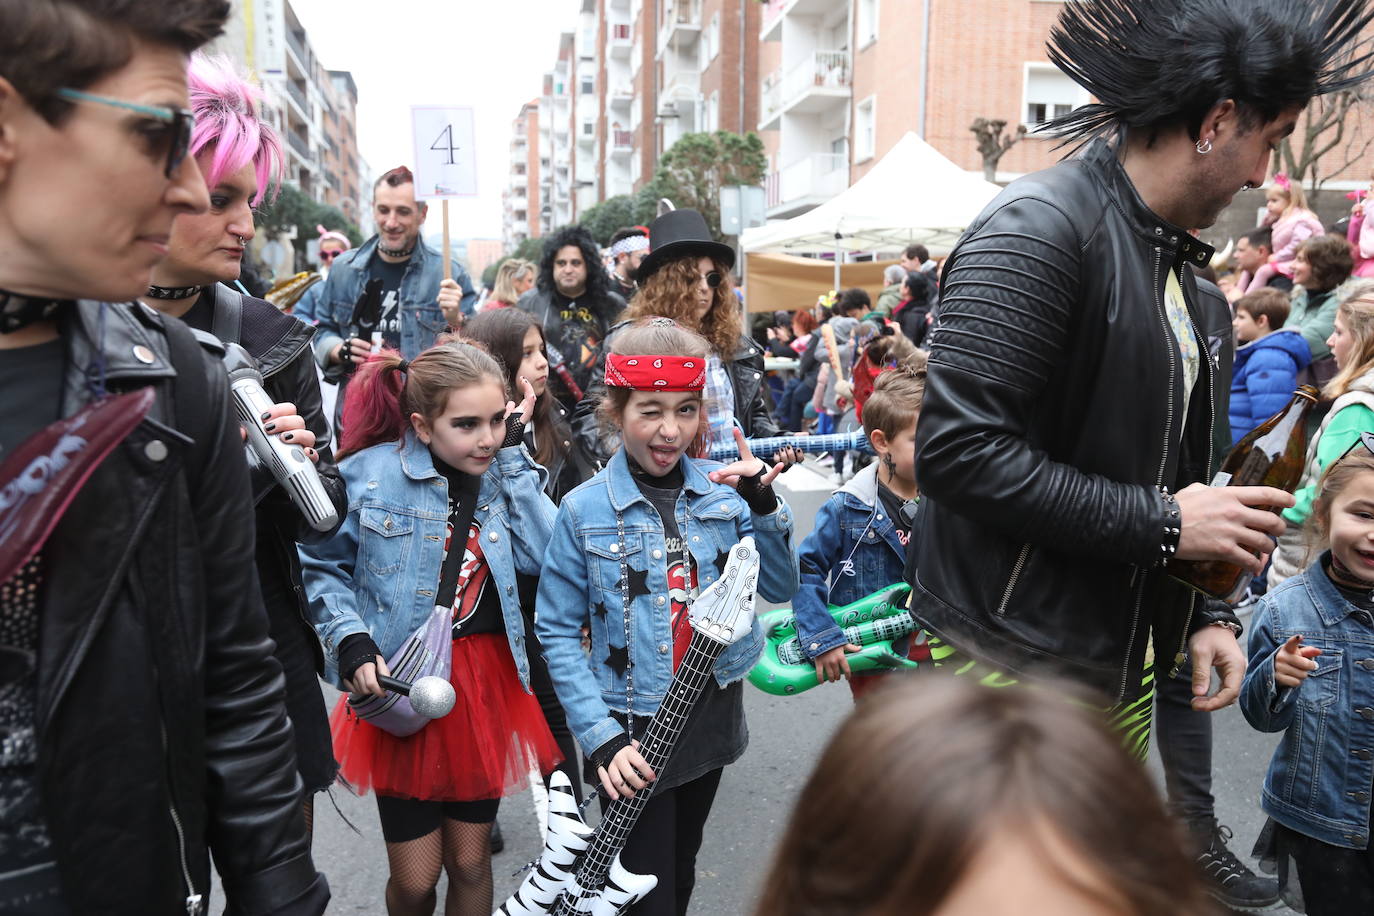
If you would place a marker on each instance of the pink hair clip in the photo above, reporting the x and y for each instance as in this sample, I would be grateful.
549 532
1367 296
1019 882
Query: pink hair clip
1358 195
1281 181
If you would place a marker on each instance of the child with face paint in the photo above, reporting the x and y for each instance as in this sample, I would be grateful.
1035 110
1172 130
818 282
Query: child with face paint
629 550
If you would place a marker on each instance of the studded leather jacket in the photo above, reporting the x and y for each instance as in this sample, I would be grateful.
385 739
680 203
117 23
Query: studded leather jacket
1055 410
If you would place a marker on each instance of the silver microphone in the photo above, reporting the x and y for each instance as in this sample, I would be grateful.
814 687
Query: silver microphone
288 464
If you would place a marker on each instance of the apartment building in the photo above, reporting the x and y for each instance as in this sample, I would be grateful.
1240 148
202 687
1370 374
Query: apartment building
340 160
528 164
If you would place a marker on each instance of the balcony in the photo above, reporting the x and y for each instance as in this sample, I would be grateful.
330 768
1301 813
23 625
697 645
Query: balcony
519 180
519 155
804 184
622 95
819 81
681 24
300 145
520 227
300 98
586 134
771 20
680 88
619 37
296 42
622 142
518 203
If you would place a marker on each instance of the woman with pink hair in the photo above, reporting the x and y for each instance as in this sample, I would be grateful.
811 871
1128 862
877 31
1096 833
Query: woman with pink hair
241 159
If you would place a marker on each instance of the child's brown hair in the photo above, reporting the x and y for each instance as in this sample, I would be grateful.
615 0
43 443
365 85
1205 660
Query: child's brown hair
1267 303
896 398
652 335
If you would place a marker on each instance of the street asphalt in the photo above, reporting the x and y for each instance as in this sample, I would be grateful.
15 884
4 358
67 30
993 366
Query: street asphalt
756 795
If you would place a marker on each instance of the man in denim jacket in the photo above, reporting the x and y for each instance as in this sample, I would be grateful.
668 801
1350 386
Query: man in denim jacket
418 304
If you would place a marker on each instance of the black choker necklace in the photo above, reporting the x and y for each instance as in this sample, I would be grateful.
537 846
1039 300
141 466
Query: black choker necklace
172 292
399 253
19 311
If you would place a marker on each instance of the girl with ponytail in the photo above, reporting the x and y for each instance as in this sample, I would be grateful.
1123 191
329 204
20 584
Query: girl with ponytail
447 507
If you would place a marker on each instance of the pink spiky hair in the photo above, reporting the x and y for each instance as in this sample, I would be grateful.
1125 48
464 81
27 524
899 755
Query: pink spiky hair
227 118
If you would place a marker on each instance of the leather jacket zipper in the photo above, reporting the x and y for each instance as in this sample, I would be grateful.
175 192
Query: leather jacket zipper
1015 574
194 900
1174 356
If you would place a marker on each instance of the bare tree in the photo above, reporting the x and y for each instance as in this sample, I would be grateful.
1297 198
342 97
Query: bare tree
1326 127
993 143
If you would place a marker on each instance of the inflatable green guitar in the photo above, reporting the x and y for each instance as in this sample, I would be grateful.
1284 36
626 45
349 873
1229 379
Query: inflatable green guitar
872 622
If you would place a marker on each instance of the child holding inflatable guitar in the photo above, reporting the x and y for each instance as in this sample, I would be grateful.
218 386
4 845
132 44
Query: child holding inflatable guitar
858 544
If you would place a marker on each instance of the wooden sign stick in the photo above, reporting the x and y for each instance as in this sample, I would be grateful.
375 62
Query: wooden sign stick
448 259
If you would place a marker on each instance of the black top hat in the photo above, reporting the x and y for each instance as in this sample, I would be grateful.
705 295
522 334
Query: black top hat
679 234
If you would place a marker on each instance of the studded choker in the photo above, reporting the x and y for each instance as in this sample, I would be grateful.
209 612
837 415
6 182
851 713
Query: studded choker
18 310
172 292
399 253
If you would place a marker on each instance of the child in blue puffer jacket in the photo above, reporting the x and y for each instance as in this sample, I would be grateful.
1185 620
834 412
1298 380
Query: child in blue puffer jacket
858 544
1268 360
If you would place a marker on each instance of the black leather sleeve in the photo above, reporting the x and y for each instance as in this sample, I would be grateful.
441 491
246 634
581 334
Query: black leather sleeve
255 827
756 419
1008 300
1213 611
298 384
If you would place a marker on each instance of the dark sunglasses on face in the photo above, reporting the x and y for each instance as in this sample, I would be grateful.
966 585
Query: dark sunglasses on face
1366 439
329 255
174 134
714 279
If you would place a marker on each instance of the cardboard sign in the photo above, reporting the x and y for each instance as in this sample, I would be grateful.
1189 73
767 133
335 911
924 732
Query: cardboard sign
445 152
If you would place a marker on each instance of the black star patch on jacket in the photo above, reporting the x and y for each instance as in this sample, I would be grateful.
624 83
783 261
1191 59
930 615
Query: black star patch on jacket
618 658
599 609
722 557
639 582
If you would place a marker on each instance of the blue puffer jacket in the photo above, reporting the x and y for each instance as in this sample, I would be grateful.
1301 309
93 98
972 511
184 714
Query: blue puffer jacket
1264 376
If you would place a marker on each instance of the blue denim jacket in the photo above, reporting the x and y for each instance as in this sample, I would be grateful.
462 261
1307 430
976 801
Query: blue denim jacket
852 551
1319 779
421 319
379 573
579 586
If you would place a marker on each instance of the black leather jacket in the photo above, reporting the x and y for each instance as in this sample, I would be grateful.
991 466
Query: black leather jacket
577 342
161 730
746 379
281 345
1055 408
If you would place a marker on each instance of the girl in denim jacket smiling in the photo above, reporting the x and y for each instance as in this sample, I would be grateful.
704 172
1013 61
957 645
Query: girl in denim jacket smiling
438 522
1311 674
628 551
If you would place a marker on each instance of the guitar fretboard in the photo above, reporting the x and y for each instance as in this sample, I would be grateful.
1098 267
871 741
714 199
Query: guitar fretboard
656 747
812 445
864 634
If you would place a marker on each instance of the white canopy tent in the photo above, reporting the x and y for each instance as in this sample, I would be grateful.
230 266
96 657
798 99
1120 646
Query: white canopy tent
913 194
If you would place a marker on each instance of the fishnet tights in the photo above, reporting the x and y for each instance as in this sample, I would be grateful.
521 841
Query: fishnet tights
461 849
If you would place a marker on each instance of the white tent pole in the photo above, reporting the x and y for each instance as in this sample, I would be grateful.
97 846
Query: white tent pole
837 262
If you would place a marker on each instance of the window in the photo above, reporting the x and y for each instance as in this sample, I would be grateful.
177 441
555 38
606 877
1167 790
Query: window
1049 94
713 112
588 85
868 22
713 37
865 129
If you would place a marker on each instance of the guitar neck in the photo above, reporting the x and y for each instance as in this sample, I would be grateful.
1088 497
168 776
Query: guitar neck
656 747
812 445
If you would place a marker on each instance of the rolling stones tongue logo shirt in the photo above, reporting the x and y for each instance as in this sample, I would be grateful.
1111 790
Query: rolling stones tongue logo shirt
465 583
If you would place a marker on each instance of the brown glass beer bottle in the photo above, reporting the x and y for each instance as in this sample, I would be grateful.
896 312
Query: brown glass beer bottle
1270 455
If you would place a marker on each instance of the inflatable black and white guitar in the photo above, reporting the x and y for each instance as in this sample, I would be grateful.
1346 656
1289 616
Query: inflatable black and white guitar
812 445
579 871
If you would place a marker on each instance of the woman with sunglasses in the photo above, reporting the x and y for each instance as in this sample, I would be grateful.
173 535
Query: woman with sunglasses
332 244
241 158
141 706
1351 396
686 277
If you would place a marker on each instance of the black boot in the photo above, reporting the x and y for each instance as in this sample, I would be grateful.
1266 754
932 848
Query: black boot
498 842
1227 877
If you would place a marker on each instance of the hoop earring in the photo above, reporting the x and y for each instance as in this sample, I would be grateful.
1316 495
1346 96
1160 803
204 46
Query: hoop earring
1203 147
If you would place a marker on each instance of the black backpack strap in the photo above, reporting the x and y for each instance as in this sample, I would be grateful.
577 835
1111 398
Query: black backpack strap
227 323
190 395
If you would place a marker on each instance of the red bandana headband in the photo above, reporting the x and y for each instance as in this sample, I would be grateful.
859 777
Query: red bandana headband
656 373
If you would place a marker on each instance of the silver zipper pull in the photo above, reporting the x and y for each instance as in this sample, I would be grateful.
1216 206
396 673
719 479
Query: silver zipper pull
194 904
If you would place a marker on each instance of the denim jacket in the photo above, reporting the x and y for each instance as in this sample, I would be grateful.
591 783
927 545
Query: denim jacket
579 586
380 572
852 551
421 319
1319 779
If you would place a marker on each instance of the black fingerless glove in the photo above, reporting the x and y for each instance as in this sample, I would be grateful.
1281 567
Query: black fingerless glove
354 652
515 430
760 499
602 756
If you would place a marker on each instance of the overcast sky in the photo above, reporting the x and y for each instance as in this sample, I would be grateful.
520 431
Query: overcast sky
490 56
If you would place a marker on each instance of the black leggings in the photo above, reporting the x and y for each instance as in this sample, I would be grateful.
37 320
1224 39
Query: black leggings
665 841
542 685
406 819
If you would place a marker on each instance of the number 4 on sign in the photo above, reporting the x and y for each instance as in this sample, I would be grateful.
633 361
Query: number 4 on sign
444 143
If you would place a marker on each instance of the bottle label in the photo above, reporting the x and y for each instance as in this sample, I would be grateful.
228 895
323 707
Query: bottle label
1222 479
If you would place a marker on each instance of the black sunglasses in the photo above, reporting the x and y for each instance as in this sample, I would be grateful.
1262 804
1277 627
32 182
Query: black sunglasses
175 133
329 255
714 279
1366 439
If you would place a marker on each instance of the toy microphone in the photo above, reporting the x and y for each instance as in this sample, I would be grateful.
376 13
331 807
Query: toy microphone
432 697
288 464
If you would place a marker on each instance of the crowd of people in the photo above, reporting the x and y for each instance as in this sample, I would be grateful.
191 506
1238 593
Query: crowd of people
512 495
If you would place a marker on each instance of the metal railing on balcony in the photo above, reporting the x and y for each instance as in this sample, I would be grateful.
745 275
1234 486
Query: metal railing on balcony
622 139
685 12
620 32
772 9
817 176
297 93
297 44
771 96
818 70
299 144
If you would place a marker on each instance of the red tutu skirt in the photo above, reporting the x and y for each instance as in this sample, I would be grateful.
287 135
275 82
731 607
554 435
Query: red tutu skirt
484 748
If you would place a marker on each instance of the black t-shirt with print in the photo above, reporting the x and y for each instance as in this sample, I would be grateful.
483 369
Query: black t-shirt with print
892 505
390 274
465 582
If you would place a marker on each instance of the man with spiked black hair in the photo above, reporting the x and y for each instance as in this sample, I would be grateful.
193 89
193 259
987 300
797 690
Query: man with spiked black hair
1052 504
